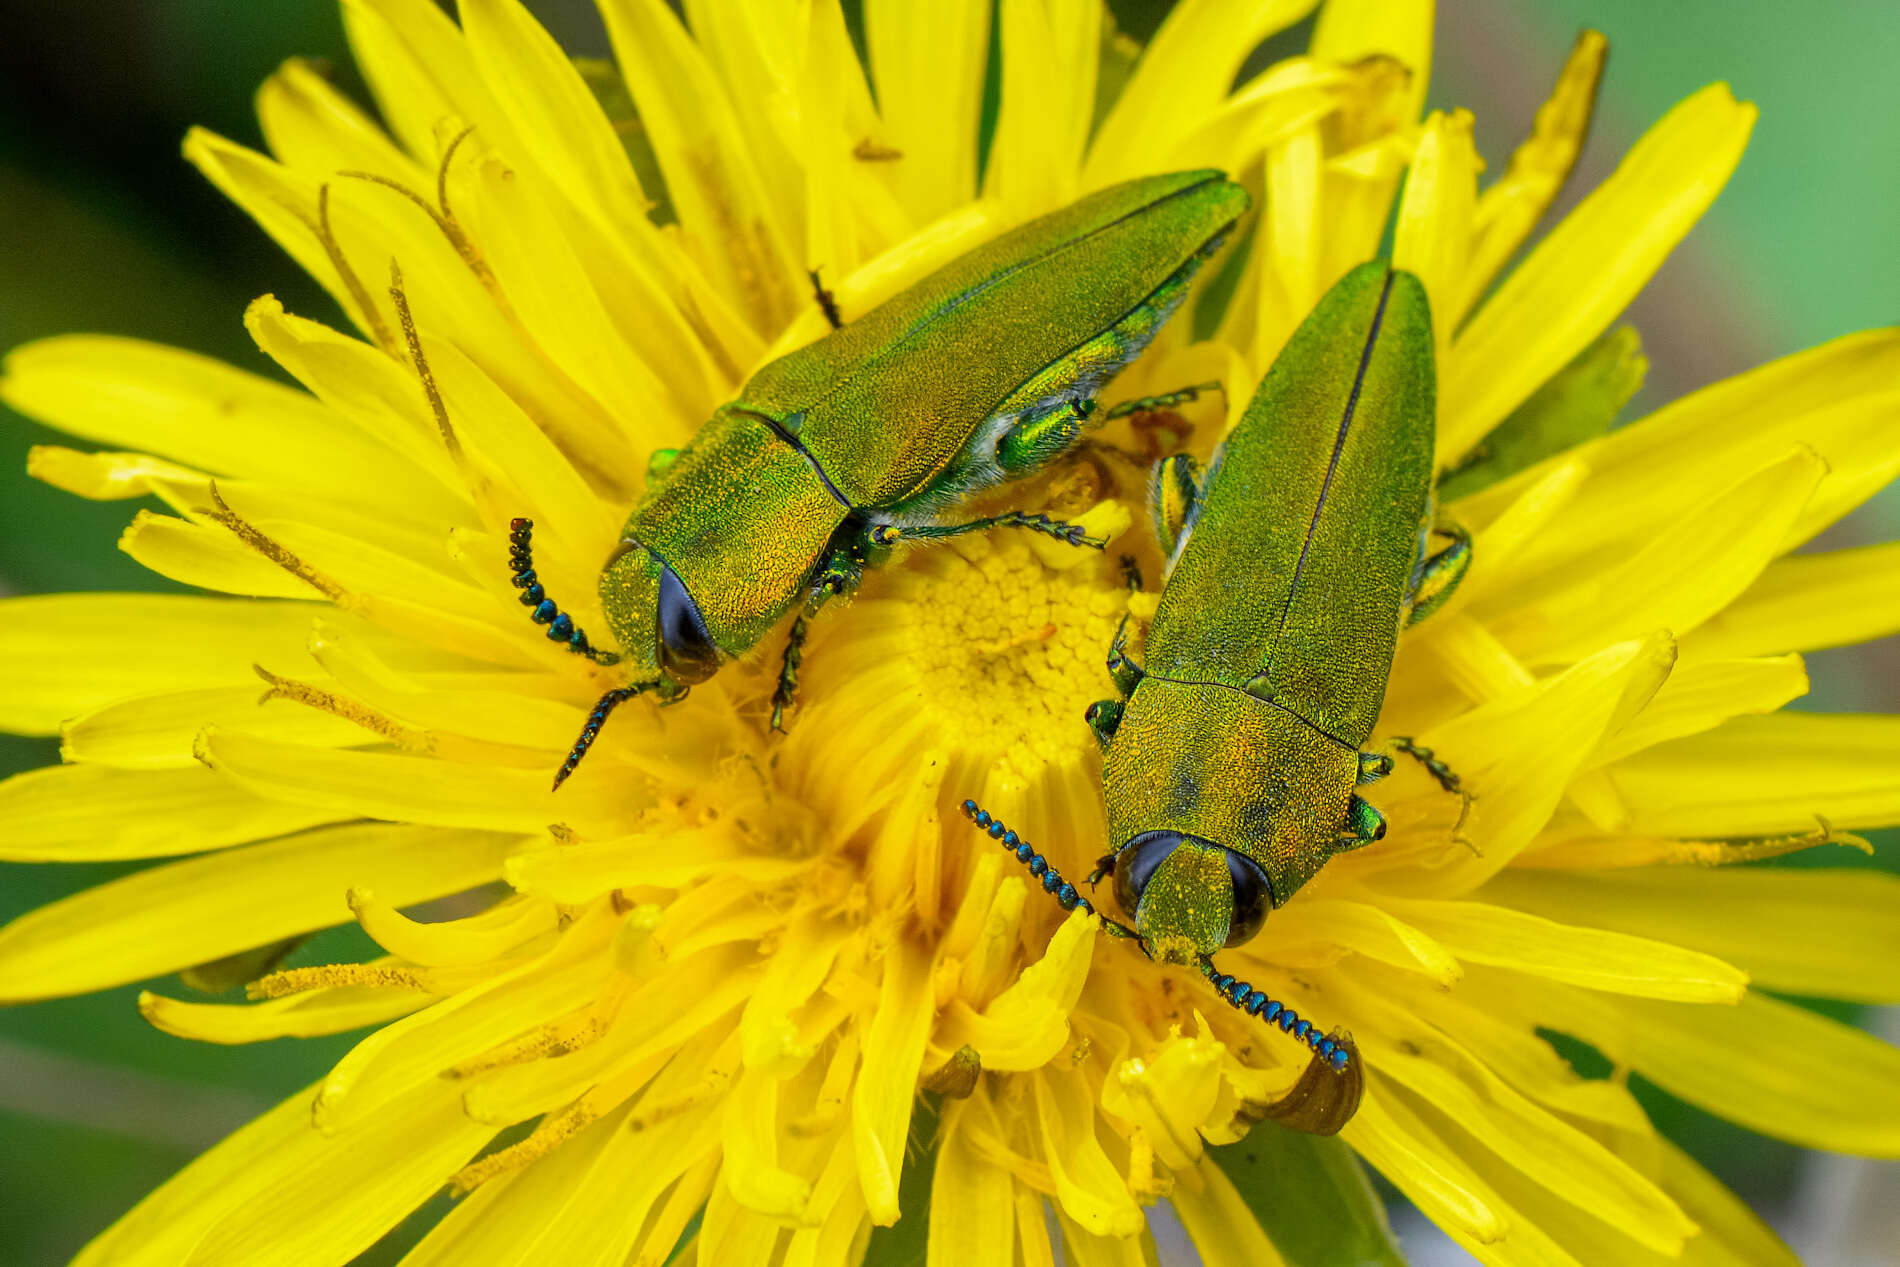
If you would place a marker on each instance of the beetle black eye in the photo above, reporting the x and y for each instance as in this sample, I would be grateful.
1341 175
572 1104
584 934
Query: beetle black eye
1253 898
686 649
1136 864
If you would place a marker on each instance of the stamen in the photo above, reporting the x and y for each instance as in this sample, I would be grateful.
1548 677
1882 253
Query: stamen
228 518
580 1028
333 975
379 329
549 1135
421 363
407 738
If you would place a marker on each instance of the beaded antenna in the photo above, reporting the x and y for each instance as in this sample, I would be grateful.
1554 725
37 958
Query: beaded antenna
544 610
1326 1094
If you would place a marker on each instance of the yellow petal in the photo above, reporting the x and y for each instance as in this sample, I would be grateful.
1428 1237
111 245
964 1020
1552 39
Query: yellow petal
1364 928
1182 78
1808 601
1565 1161
308 123
1478 932
1168 1094
1390 1137
1224 1231
71 813
1732 1234
1050 51
1833 933
971 1220
88 650
307 1015
1774 1068
277 1192
887 1082
732 230
1088 1186
1754 776
1701 694
1434 225
928 62
170 917
202 413
106 476
451 943
752 1172
397 788
1511 207
1024 1026
1685 574
1589 268
1352 30
421 71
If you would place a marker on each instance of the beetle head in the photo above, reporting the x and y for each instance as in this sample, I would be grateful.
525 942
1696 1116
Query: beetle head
1188 896
655 620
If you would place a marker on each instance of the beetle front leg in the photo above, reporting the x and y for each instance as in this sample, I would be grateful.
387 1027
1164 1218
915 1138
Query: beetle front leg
1437 575
840 575
886 535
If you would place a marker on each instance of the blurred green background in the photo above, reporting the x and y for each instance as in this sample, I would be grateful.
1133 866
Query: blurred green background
103 227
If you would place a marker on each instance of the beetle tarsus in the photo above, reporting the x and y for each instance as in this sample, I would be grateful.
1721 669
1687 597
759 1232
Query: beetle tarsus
827 302
1061 530
542 609
1446 776
786 692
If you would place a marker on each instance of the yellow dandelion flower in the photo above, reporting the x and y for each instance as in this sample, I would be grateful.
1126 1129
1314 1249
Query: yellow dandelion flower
727 962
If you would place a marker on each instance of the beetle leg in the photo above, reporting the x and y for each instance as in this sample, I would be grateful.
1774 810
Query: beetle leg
1373 766
1103 716
840 574
1174 493
659 463
827 302
1446 776
1167 400
545 611
1438 575
786 691
891 534
1103 865
1122 669
1364 824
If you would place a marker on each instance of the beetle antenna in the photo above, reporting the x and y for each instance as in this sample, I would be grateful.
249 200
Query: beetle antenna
1053 884
595 720
545 611
1242 996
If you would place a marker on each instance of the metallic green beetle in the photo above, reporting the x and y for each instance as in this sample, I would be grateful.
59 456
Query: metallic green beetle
982 372
1232 756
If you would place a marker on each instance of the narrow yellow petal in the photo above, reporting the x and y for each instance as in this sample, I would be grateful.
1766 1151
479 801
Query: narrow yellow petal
928 62
1050 51
732 229
1701 694
200 412
1352 30
89 650
1390 1137
1833 933
307 1015
1365 929
1088 1186
1182 78
1808 601
1589 268
1685 574
1434 226
1732 1234
400 788
1168 1094
970 1214
1479 932
1753 776
421 71
277 1192
107 476
887 1082
1774 1068
451 943
307 123
752 1172
170 917
1562 1159
1224 1230
1510 208
1027 1024
73 813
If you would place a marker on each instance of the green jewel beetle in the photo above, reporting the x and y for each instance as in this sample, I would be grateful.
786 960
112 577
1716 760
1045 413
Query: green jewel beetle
982 372
1231 757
